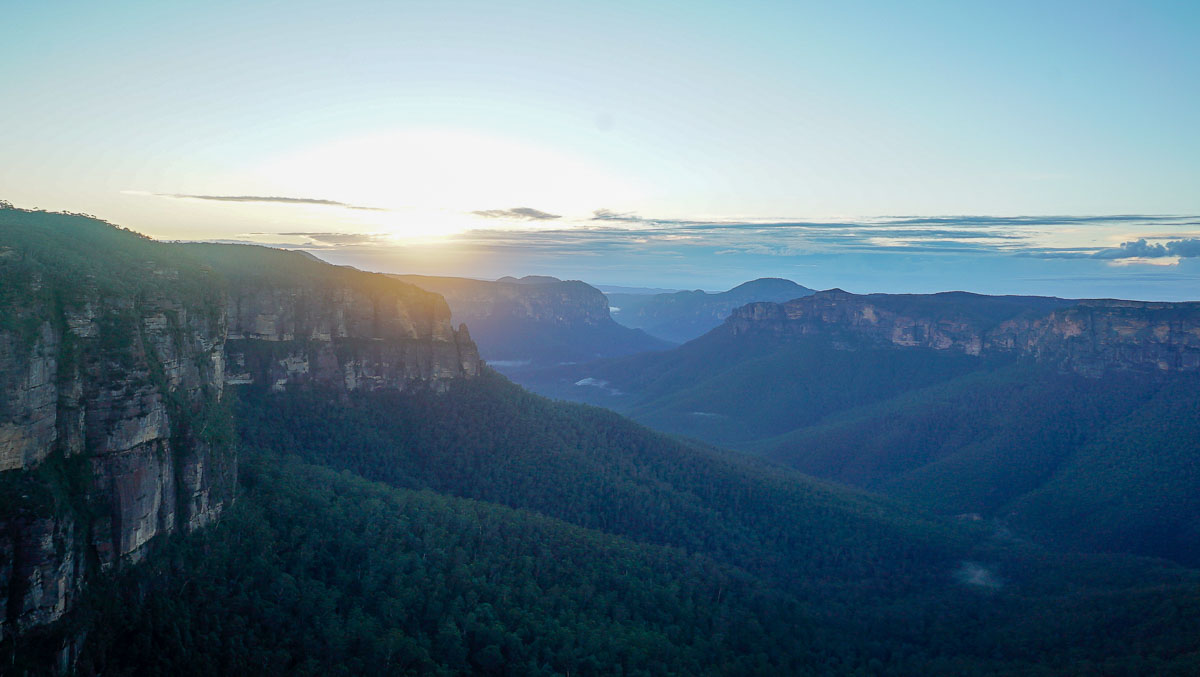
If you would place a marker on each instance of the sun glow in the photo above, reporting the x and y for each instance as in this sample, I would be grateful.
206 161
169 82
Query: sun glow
428 182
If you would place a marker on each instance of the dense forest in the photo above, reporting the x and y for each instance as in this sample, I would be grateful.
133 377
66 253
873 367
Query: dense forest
488 530
1092 463
468 526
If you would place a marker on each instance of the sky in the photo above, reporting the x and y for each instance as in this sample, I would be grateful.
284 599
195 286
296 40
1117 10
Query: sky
1001 147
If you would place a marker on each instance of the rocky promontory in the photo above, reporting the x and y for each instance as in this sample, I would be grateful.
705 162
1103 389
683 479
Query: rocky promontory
115 355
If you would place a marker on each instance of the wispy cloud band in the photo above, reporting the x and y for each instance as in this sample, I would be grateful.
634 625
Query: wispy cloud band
270 199
518 213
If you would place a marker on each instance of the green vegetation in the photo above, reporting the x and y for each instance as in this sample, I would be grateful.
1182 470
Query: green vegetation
58 486
730 389
1097 464
489 440
54 262
323 573
615 550
1132 486
486 530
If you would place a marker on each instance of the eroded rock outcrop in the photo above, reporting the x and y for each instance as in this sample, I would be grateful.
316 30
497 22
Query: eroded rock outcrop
345 337
114 391
1089 337
115 356
295 320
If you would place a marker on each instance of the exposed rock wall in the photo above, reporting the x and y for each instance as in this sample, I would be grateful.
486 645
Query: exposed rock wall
41 570
114 425
1088 337
345 336
28 379
114 387
1095 336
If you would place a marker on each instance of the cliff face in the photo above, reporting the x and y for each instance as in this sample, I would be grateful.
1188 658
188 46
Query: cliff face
1089 337
1094 336
115 354
116 392
345 337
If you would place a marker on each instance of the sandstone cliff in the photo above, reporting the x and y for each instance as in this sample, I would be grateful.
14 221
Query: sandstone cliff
1089 337
296 320
115 355
111 375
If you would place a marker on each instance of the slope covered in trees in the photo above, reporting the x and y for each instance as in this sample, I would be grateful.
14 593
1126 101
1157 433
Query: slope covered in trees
324 573
464 525
568 540
1099 462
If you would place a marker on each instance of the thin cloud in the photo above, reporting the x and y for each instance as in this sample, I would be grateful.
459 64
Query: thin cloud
337 238
627 234
610 215
1058 220
270 199
519 213
870 254
1056 253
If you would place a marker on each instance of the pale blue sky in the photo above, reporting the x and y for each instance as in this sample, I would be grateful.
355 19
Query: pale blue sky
686 111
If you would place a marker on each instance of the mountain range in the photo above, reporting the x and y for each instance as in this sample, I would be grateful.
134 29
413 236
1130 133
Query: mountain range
1071 421
536 321
684 315
223 459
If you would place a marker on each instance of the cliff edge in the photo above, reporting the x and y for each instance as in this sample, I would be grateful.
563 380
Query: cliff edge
116 352
1089 336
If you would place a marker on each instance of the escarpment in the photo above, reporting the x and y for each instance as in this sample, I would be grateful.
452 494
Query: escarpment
116 354
538 299
1089 337
295 320
111 375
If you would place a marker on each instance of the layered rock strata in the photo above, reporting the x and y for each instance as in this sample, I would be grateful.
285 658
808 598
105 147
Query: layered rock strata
1089 337
115 427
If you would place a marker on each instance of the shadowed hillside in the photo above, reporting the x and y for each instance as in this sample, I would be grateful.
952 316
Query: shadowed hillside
536 321
1034 412
685 315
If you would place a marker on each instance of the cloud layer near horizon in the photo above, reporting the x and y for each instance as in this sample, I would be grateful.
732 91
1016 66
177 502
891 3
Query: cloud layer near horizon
517 213
1076 256
1141 249
270 199
1037 237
